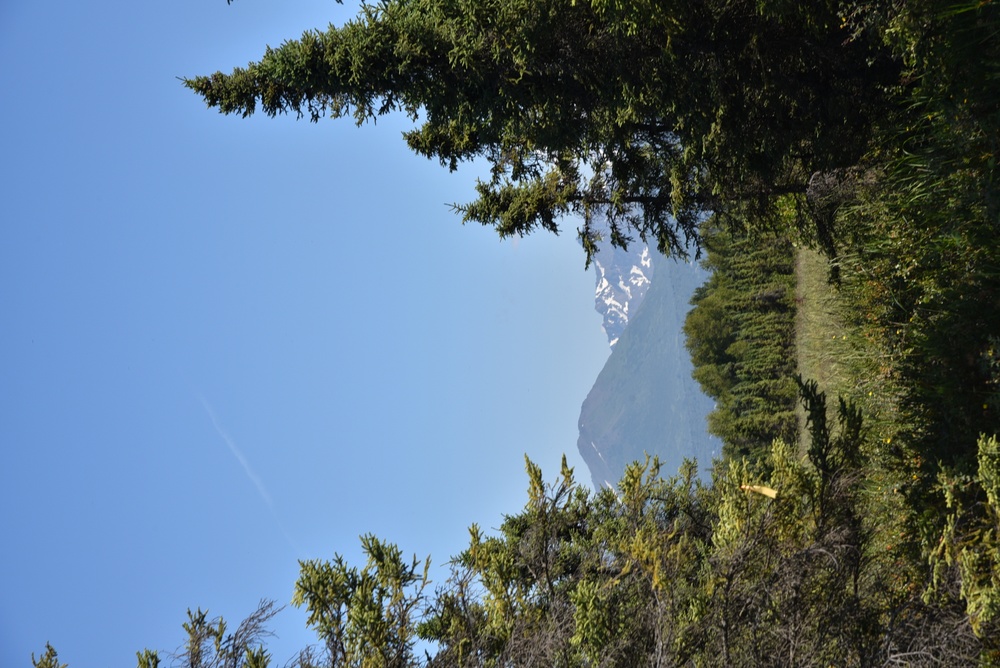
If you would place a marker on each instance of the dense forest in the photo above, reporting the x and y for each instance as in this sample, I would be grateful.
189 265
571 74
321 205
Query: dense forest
861 528
740 334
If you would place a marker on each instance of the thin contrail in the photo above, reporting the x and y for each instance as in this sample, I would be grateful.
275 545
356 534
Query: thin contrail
239 455
249 471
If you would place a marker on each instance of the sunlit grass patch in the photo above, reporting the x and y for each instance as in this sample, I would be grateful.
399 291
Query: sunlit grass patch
822 343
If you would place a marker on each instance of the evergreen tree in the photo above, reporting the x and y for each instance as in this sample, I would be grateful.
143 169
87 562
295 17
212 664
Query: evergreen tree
365 617
640 117
50 659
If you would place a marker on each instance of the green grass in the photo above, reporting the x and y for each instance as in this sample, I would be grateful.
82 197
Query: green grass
843 362
822 342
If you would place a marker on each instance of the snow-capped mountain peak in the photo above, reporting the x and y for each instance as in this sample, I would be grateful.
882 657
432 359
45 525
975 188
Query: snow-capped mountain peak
623 277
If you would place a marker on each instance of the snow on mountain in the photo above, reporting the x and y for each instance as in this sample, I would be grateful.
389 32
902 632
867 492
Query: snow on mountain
644 401
623 277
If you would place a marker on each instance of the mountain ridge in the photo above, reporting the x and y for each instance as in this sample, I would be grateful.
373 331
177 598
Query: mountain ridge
644 400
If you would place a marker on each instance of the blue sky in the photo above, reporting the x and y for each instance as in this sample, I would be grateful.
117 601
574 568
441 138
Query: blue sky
230 344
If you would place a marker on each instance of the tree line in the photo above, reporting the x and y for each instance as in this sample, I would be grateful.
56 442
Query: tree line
740 334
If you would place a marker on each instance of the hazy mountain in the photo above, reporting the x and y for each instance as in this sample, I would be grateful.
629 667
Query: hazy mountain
644 399
622 280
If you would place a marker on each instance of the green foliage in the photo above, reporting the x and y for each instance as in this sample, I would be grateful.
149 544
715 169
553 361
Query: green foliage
740 334
778 562
681 574
507 599
800 565
149 659
364 617
868 130
919 262
969 547
209 645
50 659
644 115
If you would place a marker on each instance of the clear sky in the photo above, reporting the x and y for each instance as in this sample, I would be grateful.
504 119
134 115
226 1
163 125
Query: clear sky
230 344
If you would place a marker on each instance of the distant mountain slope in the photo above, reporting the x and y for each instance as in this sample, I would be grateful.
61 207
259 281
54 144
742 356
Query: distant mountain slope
623 277
644 399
